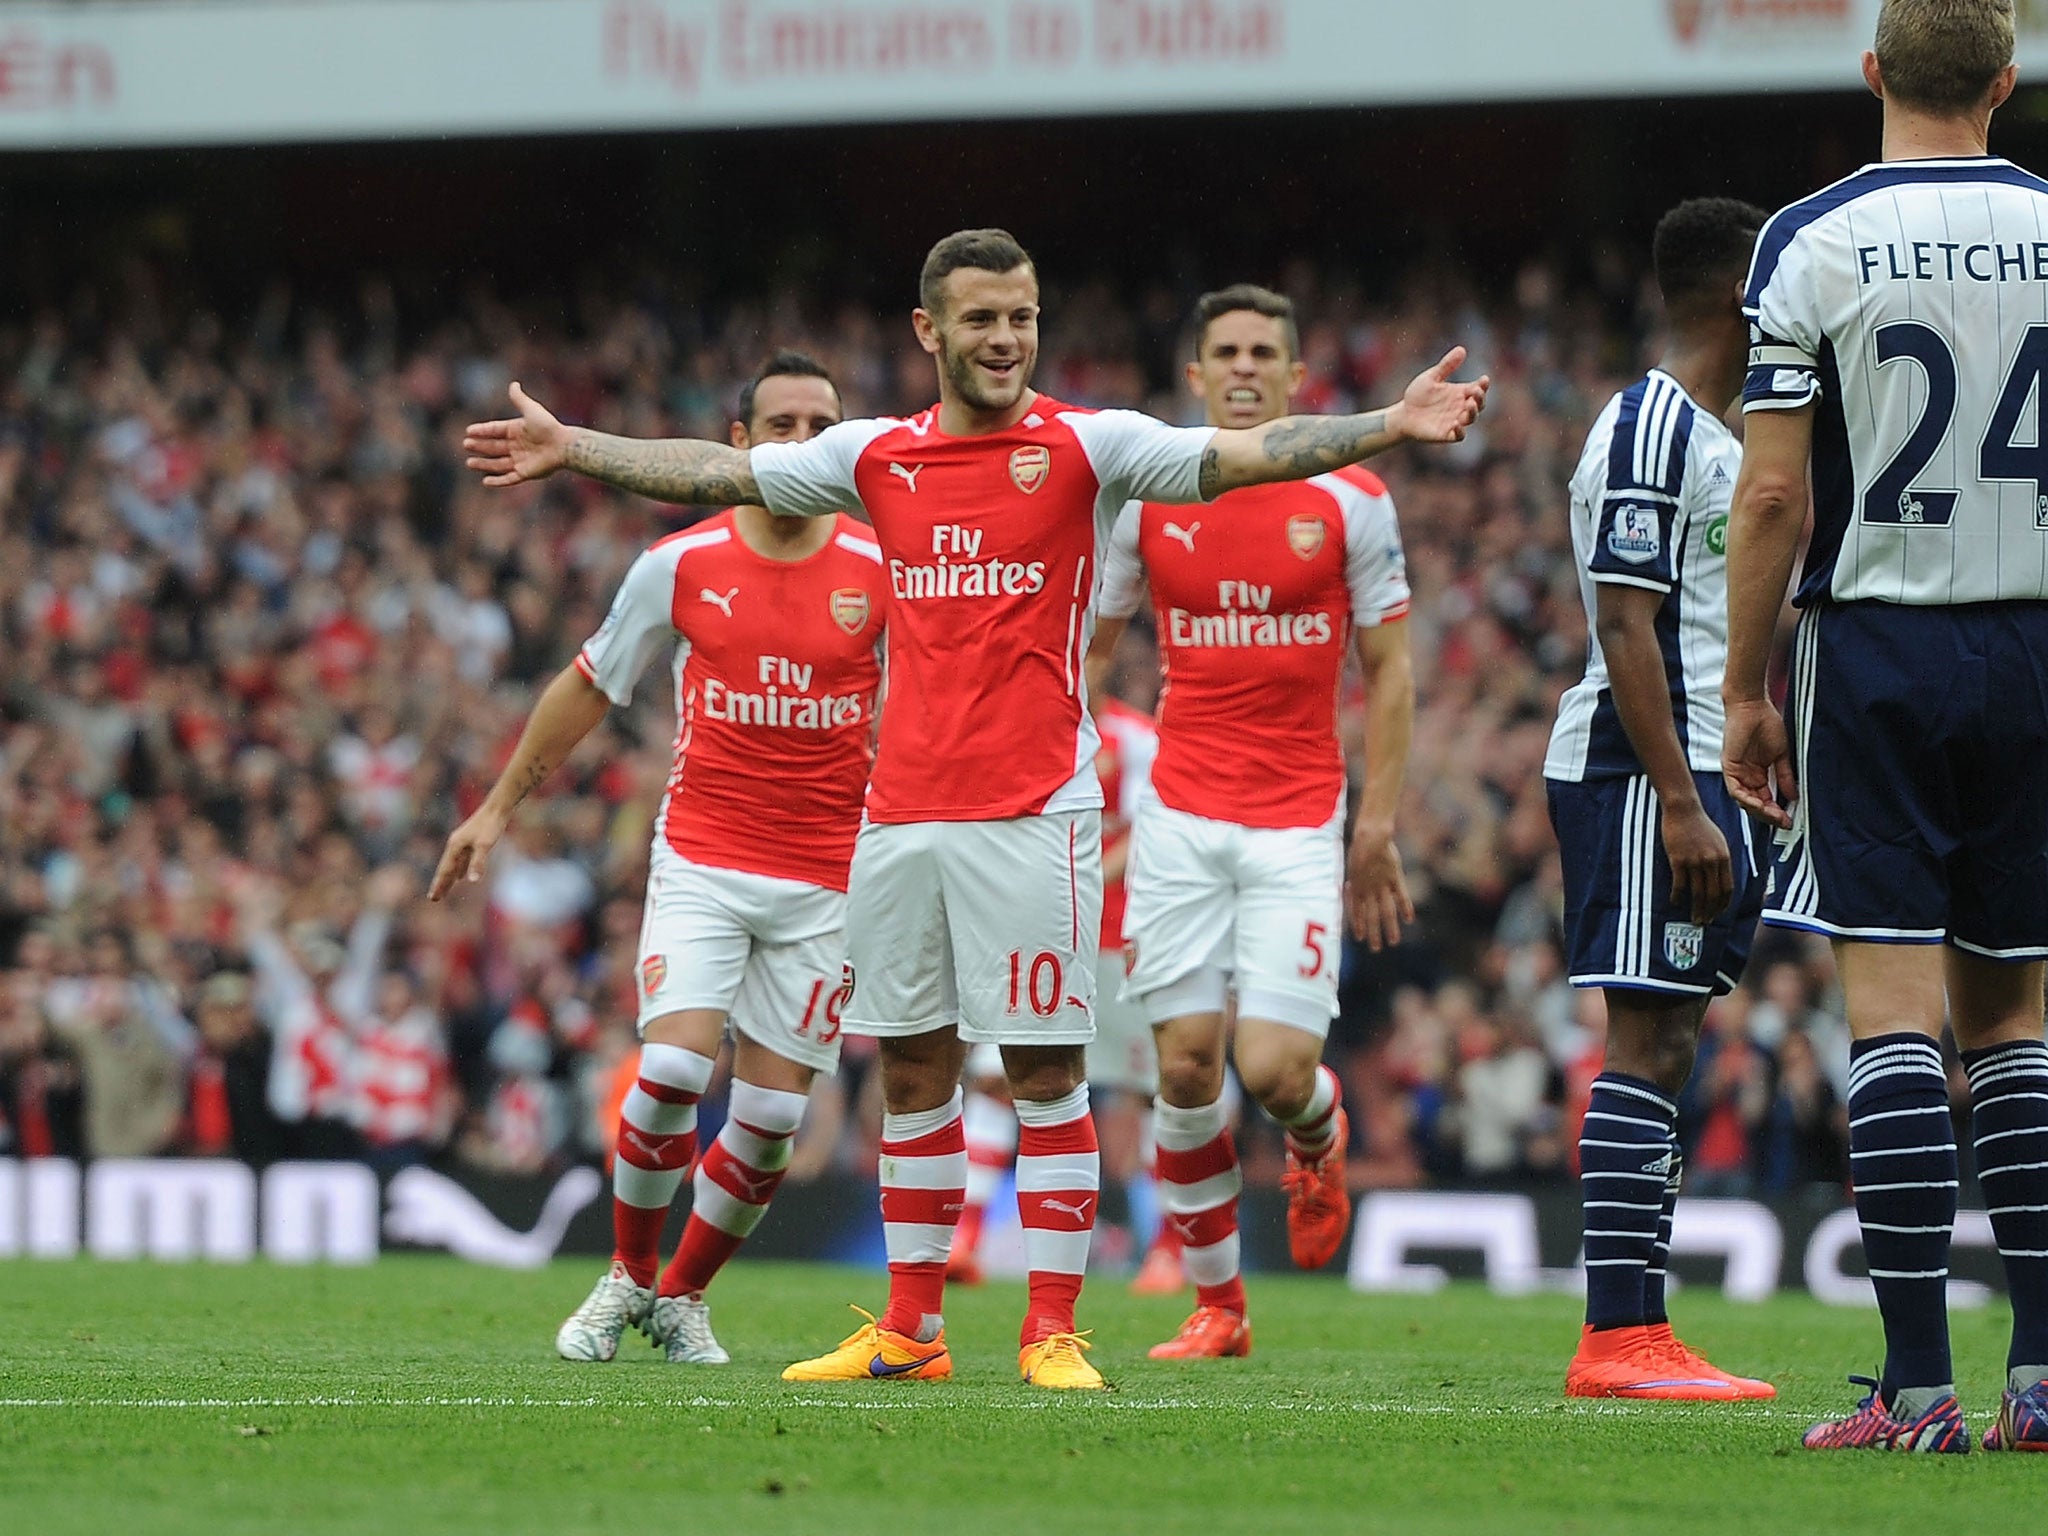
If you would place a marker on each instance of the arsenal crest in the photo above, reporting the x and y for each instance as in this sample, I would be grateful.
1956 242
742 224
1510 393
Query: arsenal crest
1130 956
653 972
1682 944
850 609
1029 466
1305 534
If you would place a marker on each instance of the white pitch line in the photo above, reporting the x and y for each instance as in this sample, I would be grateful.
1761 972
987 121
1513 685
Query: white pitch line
896 1405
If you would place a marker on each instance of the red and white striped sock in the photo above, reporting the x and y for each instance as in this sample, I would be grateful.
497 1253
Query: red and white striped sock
657 1143
991 1127
1059 1187
1200 1181
736 1179
1310 1133
924 1184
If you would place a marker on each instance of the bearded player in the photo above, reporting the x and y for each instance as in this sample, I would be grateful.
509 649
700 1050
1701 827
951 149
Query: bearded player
1238 873
774 623
976 888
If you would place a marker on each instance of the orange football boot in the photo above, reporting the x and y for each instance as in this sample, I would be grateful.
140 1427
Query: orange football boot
1212 1333
1318 1204
1160 1274
1686 1363
1624 1362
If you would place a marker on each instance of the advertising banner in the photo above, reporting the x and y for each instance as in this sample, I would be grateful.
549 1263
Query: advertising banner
243 71
1516 1240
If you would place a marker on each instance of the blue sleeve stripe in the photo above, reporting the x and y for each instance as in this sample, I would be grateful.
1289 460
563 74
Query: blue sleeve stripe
1621 442
1785 225
1647 451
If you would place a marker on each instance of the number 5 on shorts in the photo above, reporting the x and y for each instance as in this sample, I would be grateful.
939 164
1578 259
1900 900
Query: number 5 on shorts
1312 947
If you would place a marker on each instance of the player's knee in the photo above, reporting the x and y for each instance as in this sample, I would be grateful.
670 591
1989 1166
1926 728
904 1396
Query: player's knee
919 1072
1041 1074
1281 1085
1191 1075
1672 1048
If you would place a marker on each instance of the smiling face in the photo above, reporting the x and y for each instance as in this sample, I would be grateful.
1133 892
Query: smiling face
1246 373
985 336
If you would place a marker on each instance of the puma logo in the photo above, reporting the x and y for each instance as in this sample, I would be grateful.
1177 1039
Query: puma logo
633 1138
430 1210
753 1190
1078 1212
722 604
1185 535
907 476
1182 1227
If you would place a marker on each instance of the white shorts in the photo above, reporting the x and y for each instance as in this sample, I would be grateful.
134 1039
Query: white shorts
767 953
1212 904
990 925
1123 1055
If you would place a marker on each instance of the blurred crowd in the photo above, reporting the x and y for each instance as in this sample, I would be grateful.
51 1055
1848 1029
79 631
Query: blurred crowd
268 642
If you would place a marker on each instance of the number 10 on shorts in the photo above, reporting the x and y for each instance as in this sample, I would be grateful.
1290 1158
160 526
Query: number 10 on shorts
1040 983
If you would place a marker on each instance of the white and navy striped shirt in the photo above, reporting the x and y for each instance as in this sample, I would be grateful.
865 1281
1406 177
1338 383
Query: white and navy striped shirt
1908 304
1650 509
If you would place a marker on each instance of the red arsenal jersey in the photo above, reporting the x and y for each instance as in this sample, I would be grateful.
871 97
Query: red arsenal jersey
776 674
1256 598
989 544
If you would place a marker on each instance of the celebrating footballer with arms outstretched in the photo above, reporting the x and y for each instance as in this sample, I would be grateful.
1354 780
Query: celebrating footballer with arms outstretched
975 894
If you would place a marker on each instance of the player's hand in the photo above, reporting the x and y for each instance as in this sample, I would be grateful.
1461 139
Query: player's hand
1702 873
469 849
1755 755
1435 408
1376 890
531 446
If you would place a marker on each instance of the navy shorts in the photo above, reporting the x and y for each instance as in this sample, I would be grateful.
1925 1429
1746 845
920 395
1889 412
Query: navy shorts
1622 928
1920 736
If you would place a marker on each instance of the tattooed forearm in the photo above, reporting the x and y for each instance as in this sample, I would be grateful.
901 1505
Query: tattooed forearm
682 470
1292 448
519 786
1314 445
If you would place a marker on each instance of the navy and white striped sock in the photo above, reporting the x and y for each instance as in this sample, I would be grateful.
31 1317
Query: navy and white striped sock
1660 1256
1625 1154
2009 1121
1902 1158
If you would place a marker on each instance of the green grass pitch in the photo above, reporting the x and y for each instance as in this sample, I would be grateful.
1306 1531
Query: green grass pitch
422 1394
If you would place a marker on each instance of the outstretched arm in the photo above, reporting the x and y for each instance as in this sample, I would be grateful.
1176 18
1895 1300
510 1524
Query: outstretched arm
686 471
1434 409
567 712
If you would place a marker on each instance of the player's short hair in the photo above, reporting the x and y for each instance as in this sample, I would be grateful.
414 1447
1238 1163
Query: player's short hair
786 364
1942 55
1701 245
1211 307
983 250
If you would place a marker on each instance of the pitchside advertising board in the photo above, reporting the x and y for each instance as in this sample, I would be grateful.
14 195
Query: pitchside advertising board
1516 1240
121 72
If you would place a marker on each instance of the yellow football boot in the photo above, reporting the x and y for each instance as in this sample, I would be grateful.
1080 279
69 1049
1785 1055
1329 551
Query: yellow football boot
1060 1362
873 1352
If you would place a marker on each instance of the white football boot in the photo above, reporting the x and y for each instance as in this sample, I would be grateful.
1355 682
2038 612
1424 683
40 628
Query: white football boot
680 1327
614 1304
